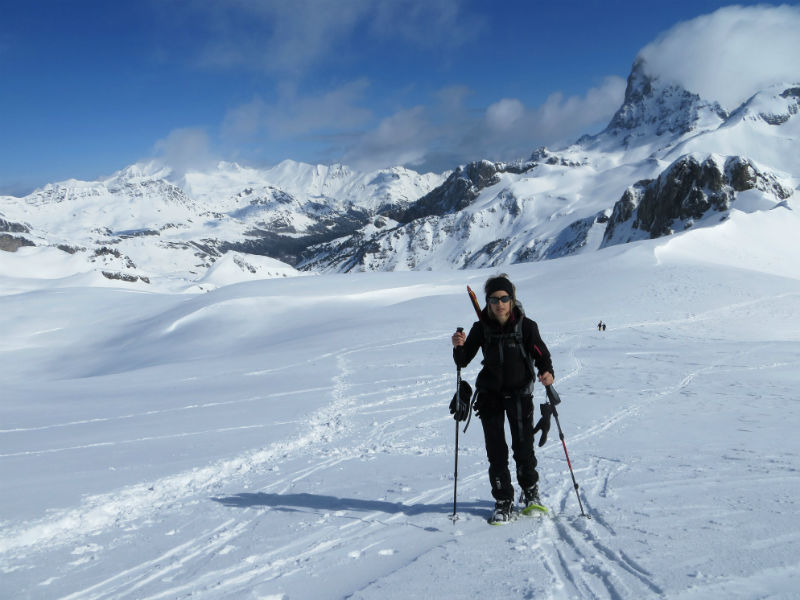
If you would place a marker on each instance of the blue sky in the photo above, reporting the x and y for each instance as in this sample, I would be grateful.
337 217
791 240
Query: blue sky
89 87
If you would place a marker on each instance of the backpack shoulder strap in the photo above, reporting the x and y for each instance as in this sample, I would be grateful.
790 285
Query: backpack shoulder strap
525 354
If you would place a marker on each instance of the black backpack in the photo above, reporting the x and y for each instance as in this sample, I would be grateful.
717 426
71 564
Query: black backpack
504 341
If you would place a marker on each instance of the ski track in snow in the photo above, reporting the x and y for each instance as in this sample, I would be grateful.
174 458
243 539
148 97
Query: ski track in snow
179 493
150 413
176 493
256 544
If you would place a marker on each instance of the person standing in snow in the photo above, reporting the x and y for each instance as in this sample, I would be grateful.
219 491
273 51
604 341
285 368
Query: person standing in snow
511 346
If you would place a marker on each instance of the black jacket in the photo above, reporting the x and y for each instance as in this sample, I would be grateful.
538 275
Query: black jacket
504 369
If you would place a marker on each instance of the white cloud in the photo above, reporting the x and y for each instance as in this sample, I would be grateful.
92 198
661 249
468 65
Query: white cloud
513 130
730 54
185 150
292 114
559 118
301 32
424 23
443 136
245 120
292 38
334 110
263 35
401 139
434 137
451 99
502 115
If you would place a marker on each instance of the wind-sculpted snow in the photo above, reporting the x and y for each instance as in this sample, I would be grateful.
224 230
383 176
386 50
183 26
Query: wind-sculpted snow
290 438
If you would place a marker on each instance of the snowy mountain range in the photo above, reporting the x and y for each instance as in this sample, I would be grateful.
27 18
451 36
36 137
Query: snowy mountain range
667 161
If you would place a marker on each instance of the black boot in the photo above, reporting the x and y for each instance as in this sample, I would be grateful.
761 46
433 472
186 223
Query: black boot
531 500
502 512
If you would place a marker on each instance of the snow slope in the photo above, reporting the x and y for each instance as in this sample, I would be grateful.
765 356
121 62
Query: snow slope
149 226
289 438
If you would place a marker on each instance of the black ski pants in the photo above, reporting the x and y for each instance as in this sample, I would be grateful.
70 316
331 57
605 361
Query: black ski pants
518 408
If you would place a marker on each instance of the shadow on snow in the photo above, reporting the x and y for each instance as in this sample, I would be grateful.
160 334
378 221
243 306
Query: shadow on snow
296 502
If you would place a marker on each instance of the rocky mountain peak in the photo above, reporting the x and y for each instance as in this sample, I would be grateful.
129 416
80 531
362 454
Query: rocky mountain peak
655 107
456 193
691 188
139 172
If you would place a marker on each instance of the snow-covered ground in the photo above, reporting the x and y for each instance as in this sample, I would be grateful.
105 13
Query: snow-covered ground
290 439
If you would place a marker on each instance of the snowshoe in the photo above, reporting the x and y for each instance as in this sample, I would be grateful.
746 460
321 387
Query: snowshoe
531 501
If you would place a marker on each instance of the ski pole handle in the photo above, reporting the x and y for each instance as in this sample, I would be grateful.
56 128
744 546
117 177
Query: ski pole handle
459 330
552 395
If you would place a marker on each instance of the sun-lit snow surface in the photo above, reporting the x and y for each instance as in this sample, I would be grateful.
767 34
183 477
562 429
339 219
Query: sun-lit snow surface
165 231
289 438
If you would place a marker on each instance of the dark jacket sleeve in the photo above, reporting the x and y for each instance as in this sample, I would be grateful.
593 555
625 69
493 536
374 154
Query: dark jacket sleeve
462 355
538 350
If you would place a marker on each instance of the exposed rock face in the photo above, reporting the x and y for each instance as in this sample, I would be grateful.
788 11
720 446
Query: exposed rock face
792 95
125 277
574 237
653 107
545 156
11 227
684 192
455 194
12 243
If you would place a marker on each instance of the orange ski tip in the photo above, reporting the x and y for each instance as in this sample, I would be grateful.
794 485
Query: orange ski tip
476 305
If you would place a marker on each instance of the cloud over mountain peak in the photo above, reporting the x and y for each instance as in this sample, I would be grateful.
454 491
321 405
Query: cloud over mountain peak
730 54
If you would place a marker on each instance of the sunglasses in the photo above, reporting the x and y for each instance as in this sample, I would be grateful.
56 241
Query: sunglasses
495 299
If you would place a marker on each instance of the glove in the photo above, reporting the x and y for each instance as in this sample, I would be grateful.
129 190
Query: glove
543 424
480 405
459 405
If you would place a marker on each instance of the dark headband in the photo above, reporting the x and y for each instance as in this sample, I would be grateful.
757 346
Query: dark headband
497 284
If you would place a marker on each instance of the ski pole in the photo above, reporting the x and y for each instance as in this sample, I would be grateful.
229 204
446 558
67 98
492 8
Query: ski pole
553 399
454 516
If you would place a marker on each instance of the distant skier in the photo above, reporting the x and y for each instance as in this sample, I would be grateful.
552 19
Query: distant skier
511 346
600 326
604 326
